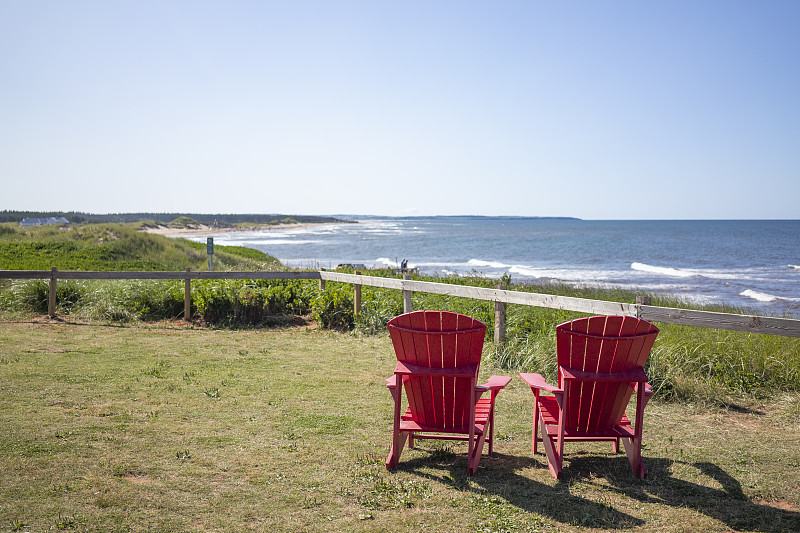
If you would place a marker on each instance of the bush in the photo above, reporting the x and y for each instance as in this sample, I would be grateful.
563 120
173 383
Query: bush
34 296
152 301
333 307
247 302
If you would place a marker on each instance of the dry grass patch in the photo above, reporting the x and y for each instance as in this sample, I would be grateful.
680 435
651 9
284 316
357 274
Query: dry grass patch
172 428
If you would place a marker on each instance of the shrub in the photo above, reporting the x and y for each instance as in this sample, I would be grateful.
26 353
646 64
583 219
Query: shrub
34 296
333 307
247 302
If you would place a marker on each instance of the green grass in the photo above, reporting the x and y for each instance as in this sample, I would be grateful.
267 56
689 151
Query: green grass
115 247
180 428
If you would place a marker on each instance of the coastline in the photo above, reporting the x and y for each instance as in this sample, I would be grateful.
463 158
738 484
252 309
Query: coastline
552 250
205 229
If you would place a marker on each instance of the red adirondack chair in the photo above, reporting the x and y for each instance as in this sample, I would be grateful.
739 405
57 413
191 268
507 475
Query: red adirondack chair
600 364
438 358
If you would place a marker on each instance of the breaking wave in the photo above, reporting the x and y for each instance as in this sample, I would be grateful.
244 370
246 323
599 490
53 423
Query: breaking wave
666 271
758 296
385 261
486 264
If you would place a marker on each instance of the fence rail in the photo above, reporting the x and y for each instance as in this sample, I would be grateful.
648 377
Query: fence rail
501 297
124 274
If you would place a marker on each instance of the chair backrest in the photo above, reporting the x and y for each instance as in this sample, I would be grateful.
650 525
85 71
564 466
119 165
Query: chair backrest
438 339
601 344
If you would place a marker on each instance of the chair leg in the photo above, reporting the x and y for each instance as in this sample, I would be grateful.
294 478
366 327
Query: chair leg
633 448
475 455
398 436
615 445
553 457
490 438
633 445
398 442
535 435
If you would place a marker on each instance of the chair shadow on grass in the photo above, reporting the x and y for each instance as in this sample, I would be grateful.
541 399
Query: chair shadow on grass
721 497
498 476
722 500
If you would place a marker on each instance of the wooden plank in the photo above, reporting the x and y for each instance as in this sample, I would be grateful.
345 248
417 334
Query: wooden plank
259 275
187 297
493 295
163 275
385 283
787 327
499 322
75 274
24 274
524 298
356 298
406 296
51 305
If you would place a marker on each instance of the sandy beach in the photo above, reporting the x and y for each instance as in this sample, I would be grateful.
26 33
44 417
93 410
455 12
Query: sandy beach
205 229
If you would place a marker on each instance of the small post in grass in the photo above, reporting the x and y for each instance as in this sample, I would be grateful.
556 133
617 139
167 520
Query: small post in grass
640 301
187 298
51 305
406 296
499 321
357 297
321 281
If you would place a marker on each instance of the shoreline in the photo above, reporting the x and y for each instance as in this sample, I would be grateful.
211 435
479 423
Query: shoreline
205 229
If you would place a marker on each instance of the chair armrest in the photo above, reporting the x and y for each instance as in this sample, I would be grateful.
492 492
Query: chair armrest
391 383
496 383
648 390
536 381
635 374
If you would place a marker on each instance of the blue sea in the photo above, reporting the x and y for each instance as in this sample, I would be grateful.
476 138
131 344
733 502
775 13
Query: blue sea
746 263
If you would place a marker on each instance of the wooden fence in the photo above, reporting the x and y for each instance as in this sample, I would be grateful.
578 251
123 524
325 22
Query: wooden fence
501 297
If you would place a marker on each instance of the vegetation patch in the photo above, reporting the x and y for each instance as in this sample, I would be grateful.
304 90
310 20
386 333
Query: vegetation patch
163 427
115 247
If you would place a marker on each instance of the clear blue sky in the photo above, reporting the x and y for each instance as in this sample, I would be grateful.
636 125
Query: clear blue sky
598 110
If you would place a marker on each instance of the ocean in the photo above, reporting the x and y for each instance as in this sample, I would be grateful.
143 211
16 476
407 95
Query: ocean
754 264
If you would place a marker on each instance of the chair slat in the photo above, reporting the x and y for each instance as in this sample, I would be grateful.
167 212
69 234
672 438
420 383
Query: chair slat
433 323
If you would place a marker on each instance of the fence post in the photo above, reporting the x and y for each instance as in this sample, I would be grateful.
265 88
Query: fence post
406 297
187 298
499 321
357 296
51 304
640 301
321 282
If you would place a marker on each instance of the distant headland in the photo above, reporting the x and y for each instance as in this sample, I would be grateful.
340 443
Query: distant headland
76 217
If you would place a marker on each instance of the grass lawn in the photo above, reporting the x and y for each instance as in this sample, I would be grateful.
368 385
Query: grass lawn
165 427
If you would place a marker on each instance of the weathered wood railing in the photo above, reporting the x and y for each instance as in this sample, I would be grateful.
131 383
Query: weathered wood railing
501 297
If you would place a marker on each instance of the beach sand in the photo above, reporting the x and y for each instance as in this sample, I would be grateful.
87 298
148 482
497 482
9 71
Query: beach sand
204 229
